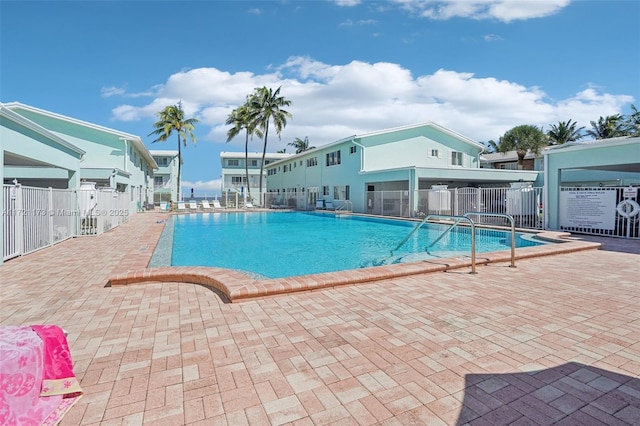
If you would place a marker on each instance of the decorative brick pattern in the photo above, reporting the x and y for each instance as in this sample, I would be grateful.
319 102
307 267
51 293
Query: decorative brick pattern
554 340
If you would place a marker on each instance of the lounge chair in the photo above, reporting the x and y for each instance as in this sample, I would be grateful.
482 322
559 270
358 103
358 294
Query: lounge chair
181 205
205 205
329 205
216 204
193 205
248 205
319 204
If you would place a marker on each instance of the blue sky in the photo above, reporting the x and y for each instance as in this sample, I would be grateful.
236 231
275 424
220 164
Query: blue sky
348 66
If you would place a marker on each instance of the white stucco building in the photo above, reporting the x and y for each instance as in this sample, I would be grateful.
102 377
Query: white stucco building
165 178
234 179
404 159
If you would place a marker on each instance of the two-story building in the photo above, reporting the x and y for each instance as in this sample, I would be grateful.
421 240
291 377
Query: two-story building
165 182
112 159
509 161
234 177
403 159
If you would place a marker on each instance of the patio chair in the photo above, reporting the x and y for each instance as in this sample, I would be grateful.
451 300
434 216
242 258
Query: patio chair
182 205
216 204
193 205
248 205
205 205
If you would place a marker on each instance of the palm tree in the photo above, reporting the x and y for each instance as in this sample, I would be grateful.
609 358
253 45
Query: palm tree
240 118
266 106
611 126
632 122
564 131
171 119
490 146
301 145
522 139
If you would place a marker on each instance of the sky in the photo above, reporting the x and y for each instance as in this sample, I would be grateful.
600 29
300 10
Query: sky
348 67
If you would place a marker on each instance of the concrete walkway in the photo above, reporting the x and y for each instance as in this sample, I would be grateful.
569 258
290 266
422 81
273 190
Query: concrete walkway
554 341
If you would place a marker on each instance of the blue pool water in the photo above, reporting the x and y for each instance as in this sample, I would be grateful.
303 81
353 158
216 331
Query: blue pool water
283 244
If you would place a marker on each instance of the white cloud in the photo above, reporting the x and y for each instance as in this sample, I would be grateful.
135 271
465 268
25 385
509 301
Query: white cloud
502 10
351 23
330 102
348 3
491 37
107 92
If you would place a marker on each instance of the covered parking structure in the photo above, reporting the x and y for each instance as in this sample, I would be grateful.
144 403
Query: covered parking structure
586 183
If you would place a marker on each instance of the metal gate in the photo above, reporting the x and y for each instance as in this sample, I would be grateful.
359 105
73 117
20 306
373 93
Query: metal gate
605 211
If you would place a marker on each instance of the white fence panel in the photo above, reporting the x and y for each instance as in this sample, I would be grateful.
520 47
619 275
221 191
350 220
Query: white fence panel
11 241
388 203
34 218
608 211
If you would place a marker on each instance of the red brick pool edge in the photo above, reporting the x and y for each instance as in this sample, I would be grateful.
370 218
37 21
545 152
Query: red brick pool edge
236 286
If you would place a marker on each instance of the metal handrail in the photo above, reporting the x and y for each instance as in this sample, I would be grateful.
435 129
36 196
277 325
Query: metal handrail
342 207
455 218
513 231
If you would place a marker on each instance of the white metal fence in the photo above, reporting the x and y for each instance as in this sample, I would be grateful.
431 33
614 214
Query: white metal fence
34 218
605 211
524 204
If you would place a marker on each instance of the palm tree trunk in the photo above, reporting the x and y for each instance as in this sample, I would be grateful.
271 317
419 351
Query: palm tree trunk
264 154
179 167
246 165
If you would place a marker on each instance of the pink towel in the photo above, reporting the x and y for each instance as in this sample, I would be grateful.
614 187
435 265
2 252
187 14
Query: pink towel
22 377
57 375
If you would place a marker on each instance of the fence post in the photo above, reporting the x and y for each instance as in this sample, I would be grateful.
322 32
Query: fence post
50 213
20 216
455 202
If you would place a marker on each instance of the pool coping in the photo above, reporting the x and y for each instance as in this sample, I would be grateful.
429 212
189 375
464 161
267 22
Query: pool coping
235 286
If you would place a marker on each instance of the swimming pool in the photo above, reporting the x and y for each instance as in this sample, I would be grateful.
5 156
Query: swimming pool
284 244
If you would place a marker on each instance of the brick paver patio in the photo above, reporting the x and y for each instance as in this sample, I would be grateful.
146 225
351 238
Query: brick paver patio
554 341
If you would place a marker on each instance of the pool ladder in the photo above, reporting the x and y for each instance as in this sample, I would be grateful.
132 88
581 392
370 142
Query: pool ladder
346 207
456 221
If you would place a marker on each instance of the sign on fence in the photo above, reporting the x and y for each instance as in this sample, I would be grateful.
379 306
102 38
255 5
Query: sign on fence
590 209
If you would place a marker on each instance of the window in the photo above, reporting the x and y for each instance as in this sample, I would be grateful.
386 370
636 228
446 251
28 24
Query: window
158 181
313 161
341 192
254 163
271 172
456 158
434 153
325 190
233 163
238 180
352 150
333 158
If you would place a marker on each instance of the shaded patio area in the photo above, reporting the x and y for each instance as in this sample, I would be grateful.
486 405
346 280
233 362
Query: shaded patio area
554 340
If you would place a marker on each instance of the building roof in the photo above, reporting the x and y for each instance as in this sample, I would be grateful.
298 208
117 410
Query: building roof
137 142
497 157
163 152
255 155
595 143
15 117
394 130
